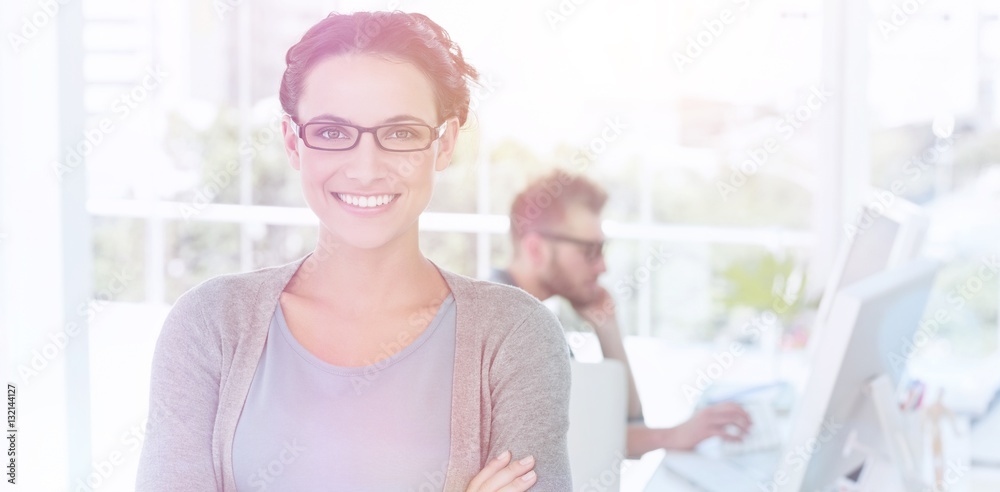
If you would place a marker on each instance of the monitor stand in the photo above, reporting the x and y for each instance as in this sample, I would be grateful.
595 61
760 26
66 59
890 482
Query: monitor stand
895 471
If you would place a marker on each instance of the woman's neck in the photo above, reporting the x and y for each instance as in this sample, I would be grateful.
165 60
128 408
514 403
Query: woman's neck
396 273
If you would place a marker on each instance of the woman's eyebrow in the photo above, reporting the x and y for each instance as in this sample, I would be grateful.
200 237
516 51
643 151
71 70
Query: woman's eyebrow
404 118
329 118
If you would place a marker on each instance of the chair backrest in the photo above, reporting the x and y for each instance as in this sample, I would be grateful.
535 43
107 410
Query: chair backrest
598 415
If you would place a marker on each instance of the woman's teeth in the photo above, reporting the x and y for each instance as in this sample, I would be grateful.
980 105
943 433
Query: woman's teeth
366 201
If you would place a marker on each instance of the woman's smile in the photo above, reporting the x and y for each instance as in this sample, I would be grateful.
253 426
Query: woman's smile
366 205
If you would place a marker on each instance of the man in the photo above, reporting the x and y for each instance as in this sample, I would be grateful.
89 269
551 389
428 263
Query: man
556 230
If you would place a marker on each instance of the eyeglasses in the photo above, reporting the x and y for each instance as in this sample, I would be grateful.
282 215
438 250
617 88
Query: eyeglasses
592 250
395 137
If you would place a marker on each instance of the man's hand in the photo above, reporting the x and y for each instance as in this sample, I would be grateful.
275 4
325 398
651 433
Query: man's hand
599 311
726 420
503 475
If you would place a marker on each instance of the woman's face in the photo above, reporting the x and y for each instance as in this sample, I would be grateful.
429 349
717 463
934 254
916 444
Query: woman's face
368 91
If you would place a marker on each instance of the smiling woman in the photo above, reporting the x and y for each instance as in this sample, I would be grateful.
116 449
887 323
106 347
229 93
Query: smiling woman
363 365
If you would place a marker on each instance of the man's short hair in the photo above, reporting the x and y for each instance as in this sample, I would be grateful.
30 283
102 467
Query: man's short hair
544 202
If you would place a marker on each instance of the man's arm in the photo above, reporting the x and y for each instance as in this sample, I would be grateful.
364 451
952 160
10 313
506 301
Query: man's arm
601 315
726 420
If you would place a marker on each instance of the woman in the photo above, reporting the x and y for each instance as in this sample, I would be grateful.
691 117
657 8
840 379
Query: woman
362 366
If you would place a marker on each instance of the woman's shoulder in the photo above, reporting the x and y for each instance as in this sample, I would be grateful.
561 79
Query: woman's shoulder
501 310
233 293
208 322
510 325
244 284
492 296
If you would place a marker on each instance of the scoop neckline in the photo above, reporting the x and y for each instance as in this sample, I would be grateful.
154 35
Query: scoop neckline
381 365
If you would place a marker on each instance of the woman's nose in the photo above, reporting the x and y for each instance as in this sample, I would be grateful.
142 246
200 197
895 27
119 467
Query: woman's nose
366 162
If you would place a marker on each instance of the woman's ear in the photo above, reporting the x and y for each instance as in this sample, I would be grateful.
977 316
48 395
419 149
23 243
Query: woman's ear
446 145
291 140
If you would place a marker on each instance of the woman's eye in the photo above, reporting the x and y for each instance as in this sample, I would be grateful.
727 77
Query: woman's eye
332 133
401 134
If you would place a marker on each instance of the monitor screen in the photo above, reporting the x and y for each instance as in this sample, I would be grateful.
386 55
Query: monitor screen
871 324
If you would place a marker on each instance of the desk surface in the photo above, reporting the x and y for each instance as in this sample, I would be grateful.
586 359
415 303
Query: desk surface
646 475
661 370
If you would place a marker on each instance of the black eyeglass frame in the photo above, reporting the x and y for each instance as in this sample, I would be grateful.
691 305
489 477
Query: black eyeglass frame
589 246
436 133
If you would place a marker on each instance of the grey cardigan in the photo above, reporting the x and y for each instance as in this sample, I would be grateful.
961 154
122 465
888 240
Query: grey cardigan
510 388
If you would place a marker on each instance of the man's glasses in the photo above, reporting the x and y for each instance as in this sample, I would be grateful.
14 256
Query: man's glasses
395 137
592 250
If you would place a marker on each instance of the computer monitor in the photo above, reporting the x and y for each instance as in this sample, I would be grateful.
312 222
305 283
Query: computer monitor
870 328
887 232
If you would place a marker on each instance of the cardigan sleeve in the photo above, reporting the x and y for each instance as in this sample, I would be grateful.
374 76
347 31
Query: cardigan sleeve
183 400
529 384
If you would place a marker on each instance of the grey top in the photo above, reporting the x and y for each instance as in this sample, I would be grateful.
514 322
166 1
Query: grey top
510 387
311 425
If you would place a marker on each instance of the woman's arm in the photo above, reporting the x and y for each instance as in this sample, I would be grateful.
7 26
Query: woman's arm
529 387
183 399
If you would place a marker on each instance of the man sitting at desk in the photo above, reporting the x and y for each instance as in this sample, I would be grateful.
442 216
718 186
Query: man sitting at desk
558 251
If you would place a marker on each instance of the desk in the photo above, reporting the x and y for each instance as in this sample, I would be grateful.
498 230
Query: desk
639 478
661 369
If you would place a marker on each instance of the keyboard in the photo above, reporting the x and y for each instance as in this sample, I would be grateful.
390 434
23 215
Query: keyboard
763 434
708 474
722 466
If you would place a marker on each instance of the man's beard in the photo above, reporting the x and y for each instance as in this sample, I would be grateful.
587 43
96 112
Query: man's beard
558 283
